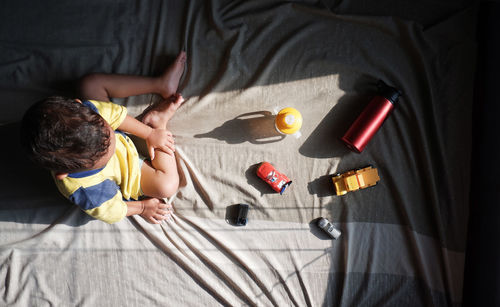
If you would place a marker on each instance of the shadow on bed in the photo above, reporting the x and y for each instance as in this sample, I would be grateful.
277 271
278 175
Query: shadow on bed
324 141
28 192
321 187
255 127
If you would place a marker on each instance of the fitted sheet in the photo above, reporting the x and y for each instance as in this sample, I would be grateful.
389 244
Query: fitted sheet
402 242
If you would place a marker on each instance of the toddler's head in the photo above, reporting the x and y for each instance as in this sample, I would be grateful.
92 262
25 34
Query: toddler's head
64 136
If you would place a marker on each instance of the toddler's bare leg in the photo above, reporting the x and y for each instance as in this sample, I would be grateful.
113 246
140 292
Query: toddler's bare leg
104 86
160 113
159 178
169 82
172 75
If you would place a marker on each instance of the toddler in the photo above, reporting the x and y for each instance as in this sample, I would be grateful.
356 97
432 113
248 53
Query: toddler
94 163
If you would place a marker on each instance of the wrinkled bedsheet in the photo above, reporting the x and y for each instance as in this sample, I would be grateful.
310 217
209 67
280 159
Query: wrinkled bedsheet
402 242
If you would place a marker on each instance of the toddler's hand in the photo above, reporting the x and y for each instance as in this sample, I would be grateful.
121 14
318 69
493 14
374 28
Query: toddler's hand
156 210
160 139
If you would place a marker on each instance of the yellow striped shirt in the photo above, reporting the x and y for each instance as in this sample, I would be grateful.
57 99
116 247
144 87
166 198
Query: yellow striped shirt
101 192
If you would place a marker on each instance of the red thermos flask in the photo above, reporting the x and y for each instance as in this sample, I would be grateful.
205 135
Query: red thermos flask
372 117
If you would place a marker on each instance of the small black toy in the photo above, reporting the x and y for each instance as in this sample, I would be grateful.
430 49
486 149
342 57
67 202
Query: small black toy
236 215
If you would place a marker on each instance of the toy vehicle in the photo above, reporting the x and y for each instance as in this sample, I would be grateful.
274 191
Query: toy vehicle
278 181
355 180
325 224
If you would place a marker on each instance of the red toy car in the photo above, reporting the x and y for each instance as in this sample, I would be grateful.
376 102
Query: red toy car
278 181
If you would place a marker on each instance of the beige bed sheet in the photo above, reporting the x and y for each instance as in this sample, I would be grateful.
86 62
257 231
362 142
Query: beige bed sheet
402 241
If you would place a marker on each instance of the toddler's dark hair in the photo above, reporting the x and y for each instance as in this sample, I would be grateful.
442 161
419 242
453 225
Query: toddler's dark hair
62 135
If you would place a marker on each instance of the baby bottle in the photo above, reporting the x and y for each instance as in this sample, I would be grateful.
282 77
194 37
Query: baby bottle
288 121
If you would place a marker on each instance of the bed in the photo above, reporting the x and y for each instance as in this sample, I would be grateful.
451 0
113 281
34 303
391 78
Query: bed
402 241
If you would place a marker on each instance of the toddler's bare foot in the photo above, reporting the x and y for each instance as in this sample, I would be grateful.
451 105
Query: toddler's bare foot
171 77
158 115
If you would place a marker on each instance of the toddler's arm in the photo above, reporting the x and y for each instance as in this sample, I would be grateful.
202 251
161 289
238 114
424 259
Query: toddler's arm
159 139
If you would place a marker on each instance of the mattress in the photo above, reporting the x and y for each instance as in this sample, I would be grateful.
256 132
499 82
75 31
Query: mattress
402 241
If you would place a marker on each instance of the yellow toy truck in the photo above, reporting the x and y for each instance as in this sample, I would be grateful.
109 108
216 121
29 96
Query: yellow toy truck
355 180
